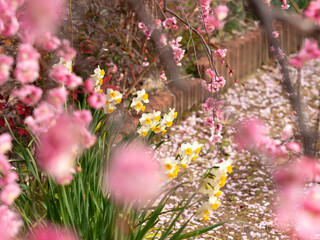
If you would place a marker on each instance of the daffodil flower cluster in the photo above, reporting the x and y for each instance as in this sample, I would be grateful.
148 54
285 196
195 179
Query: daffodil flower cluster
214 180
188 152
137 102
155 122
98 78
112 98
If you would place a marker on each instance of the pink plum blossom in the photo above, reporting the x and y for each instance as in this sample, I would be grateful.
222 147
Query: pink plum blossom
57 97
59 147
293 146
89 85
27 71
28 94
5 67
10 193
220 53
9 178
9 24
309 51
209 122
275 34
313 11
97 100
170 23
27 53
134 175
221 12
65 51
10 223
84 116
5 143
62 75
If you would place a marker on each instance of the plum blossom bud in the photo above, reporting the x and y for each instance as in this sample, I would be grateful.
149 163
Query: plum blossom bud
294 147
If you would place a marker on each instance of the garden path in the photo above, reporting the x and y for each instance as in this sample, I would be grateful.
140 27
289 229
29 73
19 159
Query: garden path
249 194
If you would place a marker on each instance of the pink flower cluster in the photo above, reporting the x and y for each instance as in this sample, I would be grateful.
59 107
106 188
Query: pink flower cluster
62 75
5 67
215 21
178 52
216 82
298 210
221 54
252 135
213 123
134 175
170 23
309 51
268 2
27 69
62 143
284 4
163 76
10 189
39 20
145 30
10 222
9 24
28 94
313 11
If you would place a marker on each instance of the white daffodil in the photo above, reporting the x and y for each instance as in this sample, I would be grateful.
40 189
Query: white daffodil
62 62
143 130
170 167
98 78
137 102
113 96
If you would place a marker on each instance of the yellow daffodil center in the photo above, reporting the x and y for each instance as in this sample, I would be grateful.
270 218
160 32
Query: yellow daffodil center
229 169
175 114
157 129
194 157
102 72
118 100
113 94
139 105
145 96
169 124
183 166
100 81
164 131
206 212
158 118
171 175
218 194
107 102
223 181
198 150
189 151
215 206
147 121
144 133
205 218
100 90
168 166
110 110
143 108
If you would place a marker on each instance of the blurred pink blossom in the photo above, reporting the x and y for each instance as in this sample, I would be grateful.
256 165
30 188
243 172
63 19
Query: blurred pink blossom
293 146
9 24
10 193
313 11
4 165
5 67
59 147
27 71
51 232
57 97
309 51
28 94
62 75
5 143
221 12
10 223
97 100
84 116
89 85
134 176
66 51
